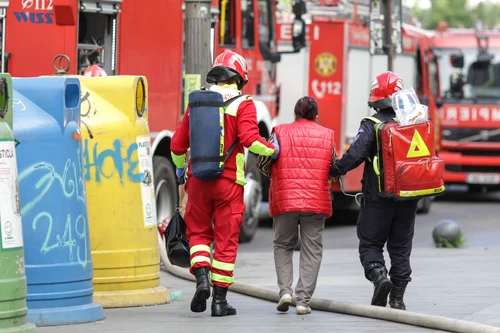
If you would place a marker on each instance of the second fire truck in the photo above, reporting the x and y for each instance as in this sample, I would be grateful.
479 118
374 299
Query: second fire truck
469 93
338 71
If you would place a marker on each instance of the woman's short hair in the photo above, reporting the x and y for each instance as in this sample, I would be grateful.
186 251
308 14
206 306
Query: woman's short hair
306 108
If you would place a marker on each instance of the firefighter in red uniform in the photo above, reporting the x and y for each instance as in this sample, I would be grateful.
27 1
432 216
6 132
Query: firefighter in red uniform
219 199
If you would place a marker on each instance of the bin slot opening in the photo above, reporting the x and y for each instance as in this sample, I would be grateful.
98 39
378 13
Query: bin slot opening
72 96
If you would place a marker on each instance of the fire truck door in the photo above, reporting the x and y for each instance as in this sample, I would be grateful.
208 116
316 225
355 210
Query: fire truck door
358 89
97 34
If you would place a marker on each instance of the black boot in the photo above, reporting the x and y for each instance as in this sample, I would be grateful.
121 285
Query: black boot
396 297
381 284
202 293
220 307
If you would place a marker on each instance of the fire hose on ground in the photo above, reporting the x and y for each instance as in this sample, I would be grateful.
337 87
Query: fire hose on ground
360 310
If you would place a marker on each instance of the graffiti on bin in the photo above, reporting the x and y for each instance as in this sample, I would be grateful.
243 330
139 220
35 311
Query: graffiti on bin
67 240
86 104
109 162
72 187
115 161
18 105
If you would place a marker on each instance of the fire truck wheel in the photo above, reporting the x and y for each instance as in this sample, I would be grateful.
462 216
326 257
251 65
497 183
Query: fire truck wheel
424 205
165 186
252 199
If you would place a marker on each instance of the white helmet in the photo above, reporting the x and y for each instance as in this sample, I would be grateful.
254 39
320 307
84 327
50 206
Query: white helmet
407 107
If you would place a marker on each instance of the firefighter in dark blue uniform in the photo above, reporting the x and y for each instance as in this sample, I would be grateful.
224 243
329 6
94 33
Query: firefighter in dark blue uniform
381 220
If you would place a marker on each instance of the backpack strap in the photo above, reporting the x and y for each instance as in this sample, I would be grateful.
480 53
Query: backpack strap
232 99
375 120
230 150
215 104
235 142
219 159
378 122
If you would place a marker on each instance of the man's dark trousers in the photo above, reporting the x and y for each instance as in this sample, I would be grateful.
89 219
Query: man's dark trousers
385 220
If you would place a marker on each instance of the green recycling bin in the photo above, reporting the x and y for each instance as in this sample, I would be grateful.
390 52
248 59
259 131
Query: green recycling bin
13 308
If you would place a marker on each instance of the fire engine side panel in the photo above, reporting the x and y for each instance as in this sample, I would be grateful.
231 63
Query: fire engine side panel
33 39
362 68
293 71
150 44
326 75
358 90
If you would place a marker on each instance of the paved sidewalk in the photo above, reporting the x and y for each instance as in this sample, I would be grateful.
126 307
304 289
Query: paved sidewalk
454 283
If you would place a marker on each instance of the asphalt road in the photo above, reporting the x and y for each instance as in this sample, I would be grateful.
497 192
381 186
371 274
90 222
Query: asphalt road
478 216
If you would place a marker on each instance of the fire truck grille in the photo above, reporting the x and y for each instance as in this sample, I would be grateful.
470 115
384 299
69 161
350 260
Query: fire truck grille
471 168
475 135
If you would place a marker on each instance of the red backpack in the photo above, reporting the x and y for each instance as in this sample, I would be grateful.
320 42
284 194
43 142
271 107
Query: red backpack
406 164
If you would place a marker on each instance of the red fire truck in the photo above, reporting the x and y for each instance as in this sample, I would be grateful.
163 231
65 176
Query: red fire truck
338 71
469 90
145 37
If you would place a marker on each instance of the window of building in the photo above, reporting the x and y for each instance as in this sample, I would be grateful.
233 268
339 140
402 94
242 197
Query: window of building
227 23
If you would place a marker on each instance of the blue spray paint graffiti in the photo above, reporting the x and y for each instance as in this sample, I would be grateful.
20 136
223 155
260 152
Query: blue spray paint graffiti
72 187
18 105
121 158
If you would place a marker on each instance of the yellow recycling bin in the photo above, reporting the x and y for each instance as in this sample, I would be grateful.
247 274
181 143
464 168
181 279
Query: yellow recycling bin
120 192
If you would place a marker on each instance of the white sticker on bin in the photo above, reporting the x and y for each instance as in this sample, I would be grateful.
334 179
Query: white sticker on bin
147 182
10 215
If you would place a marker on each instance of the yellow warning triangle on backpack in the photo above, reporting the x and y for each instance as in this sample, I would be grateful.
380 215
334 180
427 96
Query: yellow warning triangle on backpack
418 148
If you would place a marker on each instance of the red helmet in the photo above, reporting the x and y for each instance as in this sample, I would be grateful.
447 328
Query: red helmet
227 65
93 71
384 85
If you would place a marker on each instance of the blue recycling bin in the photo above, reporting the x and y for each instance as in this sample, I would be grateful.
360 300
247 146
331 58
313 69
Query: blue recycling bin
53 202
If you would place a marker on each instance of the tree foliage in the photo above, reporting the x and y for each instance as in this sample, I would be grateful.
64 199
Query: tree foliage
457 14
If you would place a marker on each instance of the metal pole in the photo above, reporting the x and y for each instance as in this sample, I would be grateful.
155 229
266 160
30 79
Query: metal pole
197 25
4 18
389 48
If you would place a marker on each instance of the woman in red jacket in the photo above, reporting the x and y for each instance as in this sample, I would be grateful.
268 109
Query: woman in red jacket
299 194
